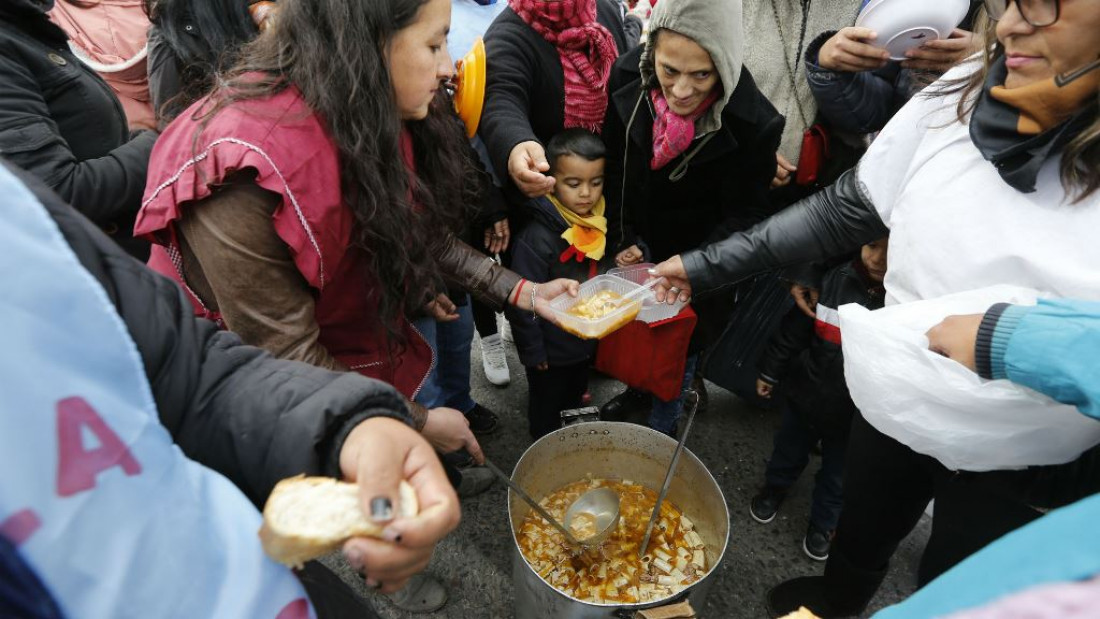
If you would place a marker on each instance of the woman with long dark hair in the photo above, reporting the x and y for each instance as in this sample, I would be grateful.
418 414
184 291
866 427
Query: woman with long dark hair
190 42
310 202
991 176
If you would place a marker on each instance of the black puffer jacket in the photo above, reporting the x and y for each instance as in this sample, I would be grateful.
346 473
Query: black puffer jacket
535 255
61 122
804 355
725 186
525 92
231 407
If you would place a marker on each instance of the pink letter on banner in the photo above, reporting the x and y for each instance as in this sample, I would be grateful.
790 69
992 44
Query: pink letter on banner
77 467
298 609
20 526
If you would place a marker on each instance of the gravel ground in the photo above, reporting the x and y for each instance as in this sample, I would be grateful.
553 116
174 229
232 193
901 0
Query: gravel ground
732 438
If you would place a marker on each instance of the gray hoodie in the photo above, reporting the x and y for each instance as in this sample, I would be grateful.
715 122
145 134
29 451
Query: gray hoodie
716 26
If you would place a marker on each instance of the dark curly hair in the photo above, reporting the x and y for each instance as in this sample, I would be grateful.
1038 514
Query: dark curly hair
333 52
205 37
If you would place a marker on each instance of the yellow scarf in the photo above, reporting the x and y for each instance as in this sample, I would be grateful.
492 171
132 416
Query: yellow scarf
586 234
1046 104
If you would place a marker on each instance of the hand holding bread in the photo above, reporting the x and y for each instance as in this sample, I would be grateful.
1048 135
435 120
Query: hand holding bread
404 502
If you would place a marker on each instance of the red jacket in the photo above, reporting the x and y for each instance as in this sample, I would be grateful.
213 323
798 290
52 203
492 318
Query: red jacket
285 142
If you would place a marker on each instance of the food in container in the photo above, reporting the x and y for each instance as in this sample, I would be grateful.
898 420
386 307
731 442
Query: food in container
598 309
613 571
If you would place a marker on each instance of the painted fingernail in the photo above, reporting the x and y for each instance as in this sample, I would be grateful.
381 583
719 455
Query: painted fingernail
354 557
381 509
391 535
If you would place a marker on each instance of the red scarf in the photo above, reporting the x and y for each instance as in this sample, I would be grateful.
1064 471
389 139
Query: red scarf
586 50
673 133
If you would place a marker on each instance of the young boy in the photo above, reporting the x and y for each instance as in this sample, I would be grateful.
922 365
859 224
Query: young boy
806 354
566 237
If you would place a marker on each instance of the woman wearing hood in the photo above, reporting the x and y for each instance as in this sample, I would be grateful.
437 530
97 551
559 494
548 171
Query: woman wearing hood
691 148
62 123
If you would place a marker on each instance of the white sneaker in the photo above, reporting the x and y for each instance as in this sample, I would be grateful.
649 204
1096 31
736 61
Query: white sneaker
493 361
504 328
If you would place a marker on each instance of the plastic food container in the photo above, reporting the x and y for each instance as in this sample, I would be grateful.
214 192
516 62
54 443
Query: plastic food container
652 311
594 329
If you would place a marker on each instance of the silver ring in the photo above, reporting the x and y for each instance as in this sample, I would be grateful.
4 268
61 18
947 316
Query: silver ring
673 290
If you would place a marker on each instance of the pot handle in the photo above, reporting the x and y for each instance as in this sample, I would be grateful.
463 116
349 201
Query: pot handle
573 416
679 610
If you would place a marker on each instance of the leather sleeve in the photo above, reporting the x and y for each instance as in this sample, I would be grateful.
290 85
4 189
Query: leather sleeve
468 268
831 222
238 265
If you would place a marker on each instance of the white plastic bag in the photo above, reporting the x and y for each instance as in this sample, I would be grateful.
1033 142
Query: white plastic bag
938 407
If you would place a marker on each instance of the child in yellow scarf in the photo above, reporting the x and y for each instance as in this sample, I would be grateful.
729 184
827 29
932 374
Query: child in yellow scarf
578 196
566 237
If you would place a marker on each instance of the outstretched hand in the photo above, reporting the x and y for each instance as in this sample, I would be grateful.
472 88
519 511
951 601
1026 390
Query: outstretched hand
676 286
377 455
527 166
550 290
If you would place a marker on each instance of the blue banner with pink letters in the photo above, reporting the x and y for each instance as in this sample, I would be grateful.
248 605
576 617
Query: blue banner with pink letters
94 496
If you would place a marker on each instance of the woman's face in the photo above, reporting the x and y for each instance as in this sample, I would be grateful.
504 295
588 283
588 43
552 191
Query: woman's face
418 61
1035 54
685 71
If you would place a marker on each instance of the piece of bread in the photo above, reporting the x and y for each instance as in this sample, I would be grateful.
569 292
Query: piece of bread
801 613
306 517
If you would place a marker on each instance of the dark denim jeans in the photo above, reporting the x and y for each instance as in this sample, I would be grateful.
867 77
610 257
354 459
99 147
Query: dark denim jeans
791 454
665 415
449 382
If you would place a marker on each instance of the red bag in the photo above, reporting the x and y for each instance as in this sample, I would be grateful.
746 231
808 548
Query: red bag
815 151
649 357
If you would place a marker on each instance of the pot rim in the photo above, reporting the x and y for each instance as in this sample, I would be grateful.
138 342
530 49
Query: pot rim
624 605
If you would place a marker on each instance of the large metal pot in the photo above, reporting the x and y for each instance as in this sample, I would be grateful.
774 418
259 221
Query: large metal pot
622 451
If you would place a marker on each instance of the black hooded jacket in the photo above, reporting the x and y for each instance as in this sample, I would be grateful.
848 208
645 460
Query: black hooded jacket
805 358
62 123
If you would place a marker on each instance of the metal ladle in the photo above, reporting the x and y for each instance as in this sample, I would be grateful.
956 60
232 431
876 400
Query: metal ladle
691 400
600 504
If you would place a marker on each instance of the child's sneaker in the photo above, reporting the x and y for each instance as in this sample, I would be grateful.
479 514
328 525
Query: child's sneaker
504 328
765 505
494 361
816 543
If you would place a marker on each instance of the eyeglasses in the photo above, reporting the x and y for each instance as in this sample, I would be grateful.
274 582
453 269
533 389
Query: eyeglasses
1038 13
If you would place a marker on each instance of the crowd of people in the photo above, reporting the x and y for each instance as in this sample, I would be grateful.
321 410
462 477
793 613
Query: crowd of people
249 240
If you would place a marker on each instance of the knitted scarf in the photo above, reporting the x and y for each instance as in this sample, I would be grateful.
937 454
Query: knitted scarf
587 236
1018 129
586 50
673 133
